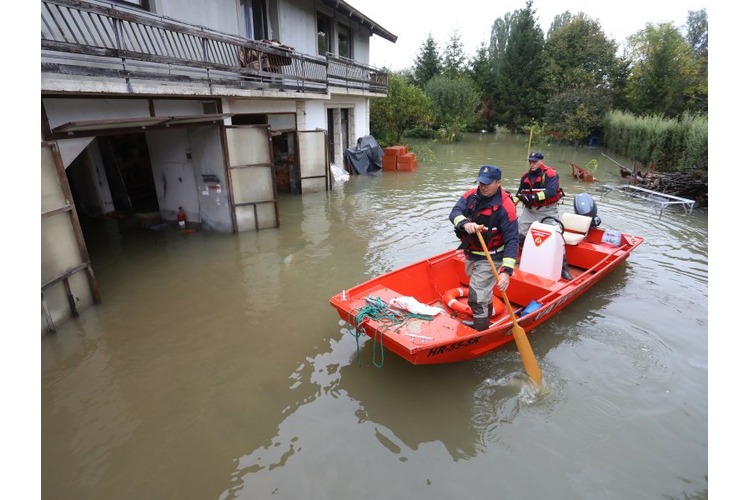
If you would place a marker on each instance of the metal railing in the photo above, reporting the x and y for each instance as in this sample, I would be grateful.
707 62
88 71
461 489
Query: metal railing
97 39
350 74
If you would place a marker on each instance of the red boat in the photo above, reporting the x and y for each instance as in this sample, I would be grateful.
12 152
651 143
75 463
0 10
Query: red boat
416 312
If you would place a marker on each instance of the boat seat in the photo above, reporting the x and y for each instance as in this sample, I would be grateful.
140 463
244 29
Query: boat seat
576 227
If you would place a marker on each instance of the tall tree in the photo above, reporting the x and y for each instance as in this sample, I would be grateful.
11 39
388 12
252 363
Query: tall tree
406 106
558 21
664 75
480 72
583 75
578 54
697 37
428 63
519 98
697 32
454 58
499 39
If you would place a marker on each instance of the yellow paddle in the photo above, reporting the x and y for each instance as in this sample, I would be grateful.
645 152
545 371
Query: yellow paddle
519 334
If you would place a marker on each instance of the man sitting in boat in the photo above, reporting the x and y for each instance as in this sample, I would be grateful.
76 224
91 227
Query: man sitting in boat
489 206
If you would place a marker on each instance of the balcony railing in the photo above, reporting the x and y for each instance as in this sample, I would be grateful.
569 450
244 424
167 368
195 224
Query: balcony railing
97 39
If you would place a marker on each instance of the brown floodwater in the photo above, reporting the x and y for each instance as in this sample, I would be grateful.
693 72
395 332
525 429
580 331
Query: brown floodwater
216 369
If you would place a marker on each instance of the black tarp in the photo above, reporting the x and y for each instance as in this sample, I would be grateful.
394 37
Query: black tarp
366 158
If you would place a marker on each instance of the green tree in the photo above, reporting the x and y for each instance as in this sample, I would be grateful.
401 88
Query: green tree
582 75
664 76
697 37
519 97
558 21
578 54
697 32
480 72
428 63
454 104
454 58
406 106
577 113
499 38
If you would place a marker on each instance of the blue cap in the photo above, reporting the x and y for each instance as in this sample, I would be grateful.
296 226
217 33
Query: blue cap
488 174
536 156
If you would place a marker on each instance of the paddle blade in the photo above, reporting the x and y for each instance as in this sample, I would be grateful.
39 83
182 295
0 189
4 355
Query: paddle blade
527 355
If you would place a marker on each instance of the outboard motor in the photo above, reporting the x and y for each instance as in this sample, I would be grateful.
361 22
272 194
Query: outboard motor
584 204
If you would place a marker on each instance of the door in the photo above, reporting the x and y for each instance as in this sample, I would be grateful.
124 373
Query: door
251 177
314 173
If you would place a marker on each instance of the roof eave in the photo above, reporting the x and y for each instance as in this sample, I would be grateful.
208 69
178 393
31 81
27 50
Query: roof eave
347 10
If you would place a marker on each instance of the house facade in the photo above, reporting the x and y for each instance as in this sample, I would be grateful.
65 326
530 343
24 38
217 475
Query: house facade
214 107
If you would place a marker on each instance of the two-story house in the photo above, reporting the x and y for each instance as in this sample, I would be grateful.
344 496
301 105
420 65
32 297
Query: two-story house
215 106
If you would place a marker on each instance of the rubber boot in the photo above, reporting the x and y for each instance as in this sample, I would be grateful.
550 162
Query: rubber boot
565 273
481 324
470 323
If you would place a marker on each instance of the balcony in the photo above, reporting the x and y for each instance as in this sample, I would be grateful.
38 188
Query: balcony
124 50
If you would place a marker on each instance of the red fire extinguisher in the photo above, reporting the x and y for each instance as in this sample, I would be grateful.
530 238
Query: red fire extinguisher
181 218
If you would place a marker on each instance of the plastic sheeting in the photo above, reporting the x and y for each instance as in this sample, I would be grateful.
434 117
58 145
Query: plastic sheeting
366 158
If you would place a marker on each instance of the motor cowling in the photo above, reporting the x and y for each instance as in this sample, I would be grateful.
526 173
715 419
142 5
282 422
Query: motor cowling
584 204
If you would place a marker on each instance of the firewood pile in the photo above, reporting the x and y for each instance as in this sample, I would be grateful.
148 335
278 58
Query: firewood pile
690 184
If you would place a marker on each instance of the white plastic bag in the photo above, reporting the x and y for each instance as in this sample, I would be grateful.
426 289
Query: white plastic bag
414 306
339 174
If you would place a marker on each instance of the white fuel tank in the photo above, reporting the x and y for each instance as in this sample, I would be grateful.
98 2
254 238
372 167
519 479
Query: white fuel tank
543 251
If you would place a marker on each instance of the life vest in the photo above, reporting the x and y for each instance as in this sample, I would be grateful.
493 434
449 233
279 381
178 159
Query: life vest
528 187
451 298
488 216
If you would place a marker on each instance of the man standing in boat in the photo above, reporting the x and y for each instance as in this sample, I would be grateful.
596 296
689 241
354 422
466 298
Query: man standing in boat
539 191
489 206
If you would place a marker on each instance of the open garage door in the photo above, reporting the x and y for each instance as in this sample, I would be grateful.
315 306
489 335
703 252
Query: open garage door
68 281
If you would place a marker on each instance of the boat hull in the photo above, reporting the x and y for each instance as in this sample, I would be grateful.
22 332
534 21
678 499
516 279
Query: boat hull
443 338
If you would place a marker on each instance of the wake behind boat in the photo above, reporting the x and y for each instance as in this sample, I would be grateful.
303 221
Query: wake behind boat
416 311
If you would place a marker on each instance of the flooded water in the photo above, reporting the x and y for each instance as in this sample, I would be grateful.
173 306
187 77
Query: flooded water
216 369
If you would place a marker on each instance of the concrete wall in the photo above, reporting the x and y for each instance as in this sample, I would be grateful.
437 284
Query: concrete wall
62 110
220 15
298 26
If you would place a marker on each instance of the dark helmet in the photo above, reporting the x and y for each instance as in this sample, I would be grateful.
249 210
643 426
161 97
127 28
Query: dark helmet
584 204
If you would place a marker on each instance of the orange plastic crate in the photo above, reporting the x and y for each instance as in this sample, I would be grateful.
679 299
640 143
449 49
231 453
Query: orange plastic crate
404 162
389 163
395 150
407 166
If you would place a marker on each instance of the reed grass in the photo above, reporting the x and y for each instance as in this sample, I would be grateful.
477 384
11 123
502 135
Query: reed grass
672 144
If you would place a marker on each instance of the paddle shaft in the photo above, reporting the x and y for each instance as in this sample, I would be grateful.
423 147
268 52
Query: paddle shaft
519 334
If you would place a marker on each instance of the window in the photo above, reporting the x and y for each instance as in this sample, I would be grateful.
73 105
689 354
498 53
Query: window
255 19
324 35
344 41
143 4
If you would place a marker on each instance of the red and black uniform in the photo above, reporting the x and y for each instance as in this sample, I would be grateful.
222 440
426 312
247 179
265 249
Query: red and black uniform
542 185
498 215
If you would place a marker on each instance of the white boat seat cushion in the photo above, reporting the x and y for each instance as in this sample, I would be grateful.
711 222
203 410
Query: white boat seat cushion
576 227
